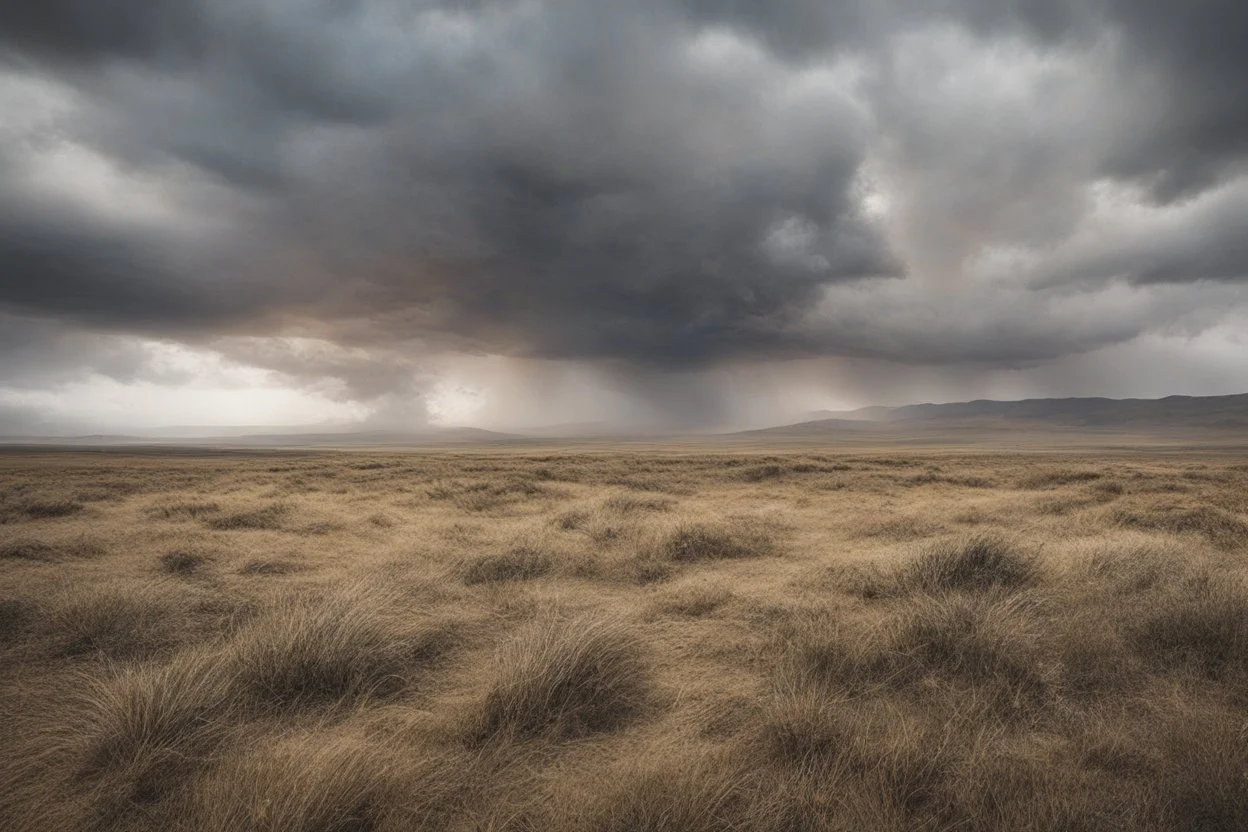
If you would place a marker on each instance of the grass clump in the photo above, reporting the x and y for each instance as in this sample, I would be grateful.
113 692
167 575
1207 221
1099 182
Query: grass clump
1202 626
1199 783
901 529
115 621
183 562
144 728
1059 477
988 646
693 542
520 563
563 679
805 730
571 520
762 473
978 563
331 651
270 517
41 552
311 782
119 745
635 504
184 510
694 601
1221 528
33 550
36 509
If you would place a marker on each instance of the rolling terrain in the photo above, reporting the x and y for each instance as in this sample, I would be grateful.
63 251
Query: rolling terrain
602 639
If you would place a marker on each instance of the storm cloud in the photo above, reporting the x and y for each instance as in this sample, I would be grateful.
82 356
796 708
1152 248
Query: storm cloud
348 194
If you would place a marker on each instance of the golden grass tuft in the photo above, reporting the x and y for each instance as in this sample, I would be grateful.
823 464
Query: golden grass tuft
39 509
1219 527
704 541
114 621
519 563
562 679
634 504
151 715
184 562
316 651
184 510
1201 625
311 783
978 563
270 517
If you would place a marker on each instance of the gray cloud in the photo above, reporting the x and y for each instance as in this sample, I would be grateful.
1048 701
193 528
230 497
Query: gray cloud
1189 66
78 31
651 185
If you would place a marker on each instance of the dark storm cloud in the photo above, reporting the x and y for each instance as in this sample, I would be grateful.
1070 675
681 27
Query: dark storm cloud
559 185
76 31
659 184
1194 68
69 264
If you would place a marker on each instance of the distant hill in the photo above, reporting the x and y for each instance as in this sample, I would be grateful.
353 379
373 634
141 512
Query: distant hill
1173 413
861 414
1170 412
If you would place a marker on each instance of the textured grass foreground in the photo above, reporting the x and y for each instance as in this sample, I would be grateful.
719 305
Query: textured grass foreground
609 641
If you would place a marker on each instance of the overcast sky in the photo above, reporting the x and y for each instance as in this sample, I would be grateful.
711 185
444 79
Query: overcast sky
697 212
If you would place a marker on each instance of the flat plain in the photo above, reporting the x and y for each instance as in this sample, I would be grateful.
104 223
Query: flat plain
664 638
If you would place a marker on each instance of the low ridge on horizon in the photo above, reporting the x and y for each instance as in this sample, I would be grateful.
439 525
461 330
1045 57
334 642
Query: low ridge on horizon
1071 412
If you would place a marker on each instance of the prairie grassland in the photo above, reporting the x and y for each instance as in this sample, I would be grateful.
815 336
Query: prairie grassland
633 640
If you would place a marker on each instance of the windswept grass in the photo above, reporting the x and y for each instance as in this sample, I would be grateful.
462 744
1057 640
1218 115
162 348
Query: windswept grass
974 564
41 552
114 621
39 509
339 650
978 563
668 639
1219 527
34 550
184 510
269 517
1201 625
307 782
184 562
520 563
563 679
693 542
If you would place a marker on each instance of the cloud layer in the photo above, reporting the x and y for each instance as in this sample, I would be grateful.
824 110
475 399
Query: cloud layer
349 194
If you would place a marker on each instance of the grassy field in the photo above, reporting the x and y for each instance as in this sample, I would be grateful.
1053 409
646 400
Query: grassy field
634 640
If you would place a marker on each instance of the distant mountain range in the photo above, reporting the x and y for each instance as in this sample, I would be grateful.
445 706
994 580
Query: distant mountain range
1173 414
1092 414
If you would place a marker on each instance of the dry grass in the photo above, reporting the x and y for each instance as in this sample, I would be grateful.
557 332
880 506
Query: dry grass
356 645
564 679
519 563
660 640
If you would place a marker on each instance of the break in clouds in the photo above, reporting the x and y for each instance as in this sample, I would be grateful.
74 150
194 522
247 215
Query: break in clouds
544 211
